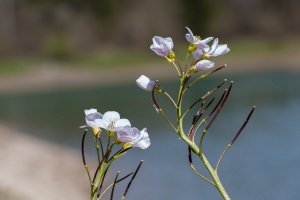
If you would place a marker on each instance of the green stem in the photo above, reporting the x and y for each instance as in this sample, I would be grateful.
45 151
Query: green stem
198 151
215 177
98 181
97 149
212 172
176 67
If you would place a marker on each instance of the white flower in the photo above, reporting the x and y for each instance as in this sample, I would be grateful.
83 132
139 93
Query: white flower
213 51
134 136
162 46
145 83
111 121
203 65
90 116
195 40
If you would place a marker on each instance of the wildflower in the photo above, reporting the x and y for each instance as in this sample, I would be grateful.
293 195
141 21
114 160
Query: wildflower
213 51
203 65
147 84
111 121
90 116
196 41
134 137
163 47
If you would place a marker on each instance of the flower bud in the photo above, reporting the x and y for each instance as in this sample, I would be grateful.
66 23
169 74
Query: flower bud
147 84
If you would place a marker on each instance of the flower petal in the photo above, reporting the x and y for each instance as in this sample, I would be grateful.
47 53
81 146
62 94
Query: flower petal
145 83
128 134
190 36
121 123
197 54
162 46
102 123
207 40
213 47
144 142
203 65
111 116
89 111
221 50
169 42
202 44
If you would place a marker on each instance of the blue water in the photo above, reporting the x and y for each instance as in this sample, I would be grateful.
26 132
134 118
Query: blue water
262 164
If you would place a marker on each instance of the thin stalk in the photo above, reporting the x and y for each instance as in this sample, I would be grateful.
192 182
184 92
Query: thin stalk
235 137
215 177
179 66
97 149
84 162
203 76
221 157
131 180
121 179
176 68
204 97
186 61
113 188
170 98
194 169
159 110
101 146
167 119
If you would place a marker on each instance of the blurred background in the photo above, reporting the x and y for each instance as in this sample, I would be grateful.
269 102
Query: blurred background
59 57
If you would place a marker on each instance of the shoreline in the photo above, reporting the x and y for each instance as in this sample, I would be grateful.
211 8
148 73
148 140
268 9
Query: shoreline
57 77
31 168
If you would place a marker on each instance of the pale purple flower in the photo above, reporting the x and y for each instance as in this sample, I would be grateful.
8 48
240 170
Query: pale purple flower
203 65
162 46
195 40
218 50
213 51
90 116
145 83
111 121
134 136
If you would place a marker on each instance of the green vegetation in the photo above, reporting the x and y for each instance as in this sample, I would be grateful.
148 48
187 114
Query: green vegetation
131 58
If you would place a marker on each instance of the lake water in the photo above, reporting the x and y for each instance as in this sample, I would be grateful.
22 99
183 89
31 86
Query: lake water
263 163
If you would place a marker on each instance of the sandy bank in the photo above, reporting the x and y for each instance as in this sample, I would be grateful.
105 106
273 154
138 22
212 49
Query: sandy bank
32 169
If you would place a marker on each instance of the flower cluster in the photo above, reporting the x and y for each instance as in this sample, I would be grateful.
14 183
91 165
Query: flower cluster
112 122
205 111
200 49
201 52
